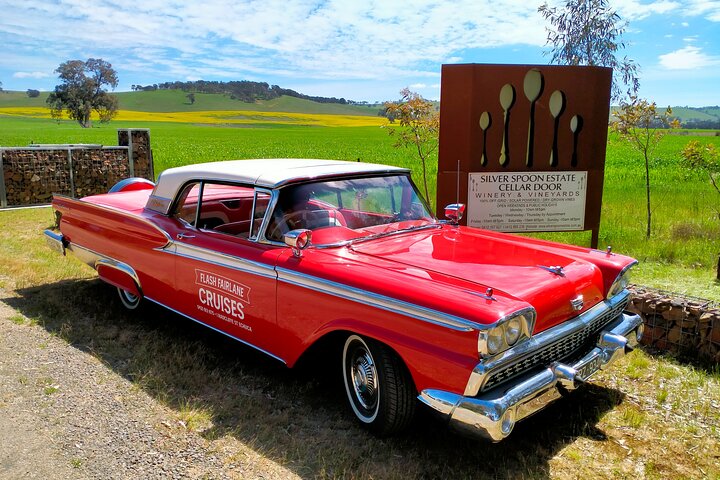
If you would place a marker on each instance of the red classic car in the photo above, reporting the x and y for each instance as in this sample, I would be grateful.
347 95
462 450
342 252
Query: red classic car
483 327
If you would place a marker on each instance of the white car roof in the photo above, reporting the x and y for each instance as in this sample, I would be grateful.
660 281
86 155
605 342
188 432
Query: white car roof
270 173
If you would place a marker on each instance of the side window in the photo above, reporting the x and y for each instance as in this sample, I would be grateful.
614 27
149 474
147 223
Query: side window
260 206
229 209
186 209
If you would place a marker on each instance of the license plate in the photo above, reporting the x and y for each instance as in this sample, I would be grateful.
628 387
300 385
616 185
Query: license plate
589 367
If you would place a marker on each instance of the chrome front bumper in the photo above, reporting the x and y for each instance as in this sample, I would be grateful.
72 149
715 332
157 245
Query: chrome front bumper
493 414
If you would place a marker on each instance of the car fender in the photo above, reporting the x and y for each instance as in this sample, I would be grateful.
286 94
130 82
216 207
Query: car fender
426 361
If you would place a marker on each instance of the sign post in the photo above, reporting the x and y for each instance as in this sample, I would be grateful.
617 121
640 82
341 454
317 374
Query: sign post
524 145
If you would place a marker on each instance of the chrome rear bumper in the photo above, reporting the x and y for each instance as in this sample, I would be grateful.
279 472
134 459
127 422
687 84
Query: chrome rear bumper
55 241
493 414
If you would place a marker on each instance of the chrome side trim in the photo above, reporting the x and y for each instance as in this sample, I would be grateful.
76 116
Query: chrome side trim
123 267
538 342
95 259
218 330
377 300
493 414
220 259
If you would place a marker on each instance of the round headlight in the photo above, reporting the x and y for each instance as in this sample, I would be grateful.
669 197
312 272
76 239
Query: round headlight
513 328
494 340
620 284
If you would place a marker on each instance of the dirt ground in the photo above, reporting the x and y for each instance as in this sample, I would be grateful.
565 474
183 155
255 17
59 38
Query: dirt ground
63 414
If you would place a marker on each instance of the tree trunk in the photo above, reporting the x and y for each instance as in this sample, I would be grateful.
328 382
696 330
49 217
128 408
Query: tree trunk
718 268
647 188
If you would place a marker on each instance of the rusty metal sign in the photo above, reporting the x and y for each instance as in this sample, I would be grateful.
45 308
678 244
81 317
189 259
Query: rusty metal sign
524 145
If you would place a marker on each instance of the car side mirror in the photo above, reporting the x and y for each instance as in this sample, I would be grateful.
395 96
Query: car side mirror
454 212
298 240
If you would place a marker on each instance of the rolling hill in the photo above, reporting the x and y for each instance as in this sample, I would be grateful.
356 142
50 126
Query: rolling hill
177 101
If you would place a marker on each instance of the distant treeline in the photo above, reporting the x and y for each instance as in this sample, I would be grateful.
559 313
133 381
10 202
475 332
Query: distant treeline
702 124
243 90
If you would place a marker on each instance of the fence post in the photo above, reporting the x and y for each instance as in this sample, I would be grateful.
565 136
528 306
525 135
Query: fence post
131 154
72 173
3 193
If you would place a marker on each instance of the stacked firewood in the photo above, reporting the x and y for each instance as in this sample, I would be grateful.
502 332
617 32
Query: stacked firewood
142 155
141 151
32 176
678 324
97 170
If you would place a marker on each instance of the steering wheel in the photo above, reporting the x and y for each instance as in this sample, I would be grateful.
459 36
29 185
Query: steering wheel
288 222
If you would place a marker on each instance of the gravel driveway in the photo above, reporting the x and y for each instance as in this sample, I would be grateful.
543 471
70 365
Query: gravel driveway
63 414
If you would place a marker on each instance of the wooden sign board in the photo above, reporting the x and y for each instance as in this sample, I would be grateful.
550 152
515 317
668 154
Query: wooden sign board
524 145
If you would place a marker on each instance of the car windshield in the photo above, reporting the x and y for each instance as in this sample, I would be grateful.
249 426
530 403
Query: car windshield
341 211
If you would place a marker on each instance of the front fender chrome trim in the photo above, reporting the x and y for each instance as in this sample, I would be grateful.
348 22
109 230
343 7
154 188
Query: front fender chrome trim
376 300
493 414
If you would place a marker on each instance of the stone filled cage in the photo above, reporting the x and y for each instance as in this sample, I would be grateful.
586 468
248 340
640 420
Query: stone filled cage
31 175
678 323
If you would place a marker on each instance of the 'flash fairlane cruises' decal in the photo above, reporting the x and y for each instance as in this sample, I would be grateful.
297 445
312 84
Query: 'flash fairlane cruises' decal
223 298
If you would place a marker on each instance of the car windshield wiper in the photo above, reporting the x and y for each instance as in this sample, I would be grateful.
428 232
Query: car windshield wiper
375 236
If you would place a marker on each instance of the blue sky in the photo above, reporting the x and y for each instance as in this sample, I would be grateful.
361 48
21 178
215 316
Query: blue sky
359 50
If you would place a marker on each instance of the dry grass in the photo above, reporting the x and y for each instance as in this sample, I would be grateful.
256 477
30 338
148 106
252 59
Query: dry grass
649 417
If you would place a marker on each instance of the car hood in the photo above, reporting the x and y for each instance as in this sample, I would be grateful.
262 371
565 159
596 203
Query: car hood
513 266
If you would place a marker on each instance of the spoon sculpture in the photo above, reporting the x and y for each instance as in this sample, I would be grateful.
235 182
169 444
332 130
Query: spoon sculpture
507 99
532 86
576 123
557 105
485 122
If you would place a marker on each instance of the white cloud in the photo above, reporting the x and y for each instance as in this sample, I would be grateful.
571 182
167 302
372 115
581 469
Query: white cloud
710 9
637 10
688 58
31 75
333 39
685 24
418 85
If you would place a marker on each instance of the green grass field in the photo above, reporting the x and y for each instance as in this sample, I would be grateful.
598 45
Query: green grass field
681 256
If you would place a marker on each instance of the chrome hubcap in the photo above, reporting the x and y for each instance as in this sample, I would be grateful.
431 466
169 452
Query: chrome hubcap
364 377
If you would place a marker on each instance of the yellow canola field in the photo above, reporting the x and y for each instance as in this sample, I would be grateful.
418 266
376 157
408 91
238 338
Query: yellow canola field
220 117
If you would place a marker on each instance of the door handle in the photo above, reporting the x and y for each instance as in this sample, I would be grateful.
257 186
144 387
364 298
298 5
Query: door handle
181 236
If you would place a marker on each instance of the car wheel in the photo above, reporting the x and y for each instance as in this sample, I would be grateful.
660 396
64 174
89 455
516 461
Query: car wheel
379 387
129 300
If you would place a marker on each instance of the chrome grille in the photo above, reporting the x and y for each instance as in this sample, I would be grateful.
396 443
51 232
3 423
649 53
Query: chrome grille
563 349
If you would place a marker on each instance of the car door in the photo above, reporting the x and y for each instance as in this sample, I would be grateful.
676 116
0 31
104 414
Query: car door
225 279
